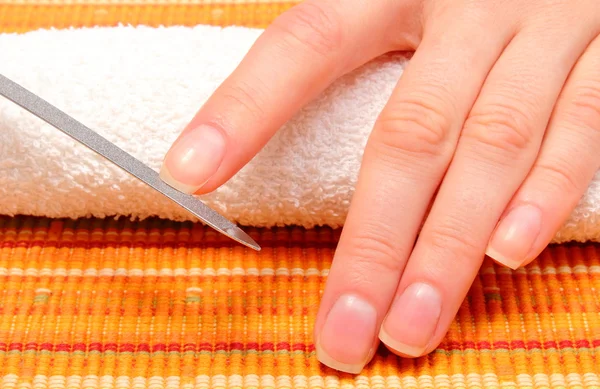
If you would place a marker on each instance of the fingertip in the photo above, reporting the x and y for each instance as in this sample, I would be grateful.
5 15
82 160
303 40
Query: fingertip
516 235
347 339
168 179
327 360
194 159
502 260
399 348
412 321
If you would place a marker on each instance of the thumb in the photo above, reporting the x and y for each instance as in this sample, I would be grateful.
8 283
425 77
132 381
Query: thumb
295 59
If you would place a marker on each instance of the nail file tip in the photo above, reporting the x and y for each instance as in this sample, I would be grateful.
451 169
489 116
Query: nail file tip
239 235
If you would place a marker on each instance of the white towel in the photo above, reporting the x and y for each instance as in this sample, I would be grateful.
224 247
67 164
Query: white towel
138 87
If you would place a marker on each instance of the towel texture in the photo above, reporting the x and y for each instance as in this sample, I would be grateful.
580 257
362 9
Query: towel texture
139 86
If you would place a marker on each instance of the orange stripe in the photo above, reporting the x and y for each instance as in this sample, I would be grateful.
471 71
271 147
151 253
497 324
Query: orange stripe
15 17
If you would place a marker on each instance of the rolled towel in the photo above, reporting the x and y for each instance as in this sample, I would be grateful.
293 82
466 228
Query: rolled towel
140 86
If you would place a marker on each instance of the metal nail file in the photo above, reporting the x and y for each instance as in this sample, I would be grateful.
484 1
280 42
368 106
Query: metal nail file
119 157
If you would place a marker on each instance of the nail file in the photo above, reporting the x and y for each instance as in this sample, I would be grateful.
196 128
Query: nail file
119 157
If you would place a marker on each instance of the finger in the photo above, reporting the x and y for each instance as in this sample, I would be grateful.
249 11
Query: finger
406 155
298 56
497 148
566 165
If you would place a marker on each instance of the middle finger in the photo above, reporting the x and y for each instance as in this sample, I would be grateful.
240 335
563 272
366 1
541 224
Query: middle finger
405 159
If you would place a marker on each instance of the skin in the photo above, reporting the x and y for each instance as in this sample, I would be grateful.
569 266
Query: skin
495 123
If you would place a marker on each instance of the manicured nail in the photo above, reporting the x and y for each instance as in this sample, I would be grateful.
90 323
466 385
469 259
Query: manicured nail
515 235
412 320
346 340
193 159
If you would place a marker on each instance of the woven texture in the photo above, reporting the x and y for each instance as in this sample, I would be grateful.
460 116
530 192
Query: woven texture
107 304
26 15
156 304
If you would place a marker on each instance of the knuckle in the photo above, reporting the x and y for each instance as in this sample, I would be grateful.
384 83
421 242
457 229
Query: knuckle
413 127
316 26
561 176
585 105
452 242
244 96
374 252
501 127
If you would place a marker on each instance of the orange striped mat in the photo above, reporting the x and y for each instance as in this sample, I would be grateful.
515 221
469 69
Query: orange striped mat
114 304
107 304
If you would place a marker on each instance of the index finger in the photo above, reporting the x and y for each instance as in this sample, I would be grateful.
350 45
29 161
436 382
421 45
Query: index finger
296 58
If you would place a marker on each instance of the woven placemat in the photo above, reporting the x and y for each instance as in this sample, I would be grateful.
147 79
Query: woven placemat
115 304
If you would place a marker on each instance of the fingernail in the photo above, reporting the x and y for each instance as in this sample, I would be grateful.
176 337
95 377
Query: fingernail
193 159
347 337
412 320
515 235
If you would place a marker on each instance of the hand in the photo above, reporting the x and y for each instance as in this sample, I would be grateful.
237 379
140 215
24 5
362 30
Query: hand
496 120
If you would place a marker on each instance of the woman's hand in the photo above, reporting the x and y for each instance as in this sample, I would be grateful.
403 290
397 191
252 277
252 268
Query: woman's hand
496 120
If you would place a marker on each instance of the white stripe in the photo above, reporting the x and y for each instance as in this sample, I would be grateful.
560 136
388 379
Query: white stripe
425 381
40 381
574 379
490 379
164 272
90 381
266 272
375 382
409 382
9 380
442 380
57 381
106 381
557 380
252 271
123 382
458 381
238 271
524 380
235 380
541 380
267 381
591 379
471 381
316 381
139 383
534 270
331 382
393 382
173 382
155 383
252 380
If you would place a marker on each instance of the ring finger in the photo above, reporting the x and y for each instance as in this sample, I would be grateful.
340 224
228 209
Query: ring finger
497 148
562 172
